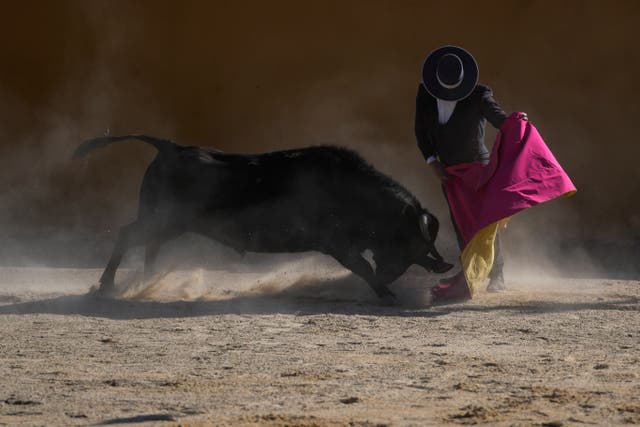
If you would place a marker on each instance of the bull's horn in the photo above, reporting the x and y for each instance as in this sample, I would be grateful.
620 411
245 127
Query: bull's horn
424 226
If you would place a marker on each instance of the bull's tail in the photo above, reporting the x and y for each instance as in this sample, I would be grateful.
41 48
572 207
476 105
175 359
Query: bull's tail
162 145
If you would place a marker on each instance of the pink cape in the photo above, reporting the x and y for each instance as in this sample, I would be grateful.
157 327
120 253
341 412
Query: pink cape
521 173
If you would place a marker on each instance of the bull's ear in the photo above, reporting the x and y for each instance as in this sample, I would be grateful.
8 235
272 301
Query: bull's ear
409 210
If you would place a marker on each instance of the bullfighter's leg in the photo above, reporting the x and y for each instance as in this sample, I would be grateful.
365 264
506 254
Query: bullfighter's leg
130 235
358 265
496 277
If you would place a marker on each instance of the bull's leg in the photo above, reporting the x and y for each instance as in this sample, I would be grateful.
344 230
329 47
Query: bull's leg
129 235
153 247
358 265
150 255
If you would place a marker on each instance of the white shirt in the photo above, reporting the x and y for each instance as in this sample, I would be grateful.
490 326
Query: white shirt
445 110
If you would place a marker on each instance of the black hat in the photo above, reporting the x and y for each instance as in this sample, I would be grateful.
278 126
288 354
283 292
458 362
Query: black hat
450 73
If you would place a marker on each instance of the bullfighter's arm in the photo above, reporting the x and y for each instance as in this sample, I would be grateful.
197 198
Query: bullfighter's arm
491 110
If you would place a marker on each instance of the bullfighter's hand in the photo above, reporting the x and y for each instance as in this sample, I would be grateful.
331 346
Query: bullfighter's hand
439 171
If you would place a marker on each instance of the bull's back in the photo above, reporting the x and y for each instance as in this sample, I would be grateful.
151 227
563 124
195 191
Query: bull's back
294 200
312 198
313 181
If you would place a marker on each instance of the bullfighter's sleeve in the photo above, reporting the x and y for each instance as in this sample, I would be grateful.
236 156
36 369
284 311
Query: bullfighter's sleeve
491 110
423 136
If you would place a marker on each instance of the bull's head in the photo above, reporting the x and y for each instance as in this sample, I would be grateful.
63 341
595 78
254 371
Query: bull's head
429 227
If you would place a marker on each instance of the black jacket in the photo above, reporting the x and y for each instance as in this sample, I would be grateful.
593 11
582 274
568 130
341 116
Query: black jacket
461 139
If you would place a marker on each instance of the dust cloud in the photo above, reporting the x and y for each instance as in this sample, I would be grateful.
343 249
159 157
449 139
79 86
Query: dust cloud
287 279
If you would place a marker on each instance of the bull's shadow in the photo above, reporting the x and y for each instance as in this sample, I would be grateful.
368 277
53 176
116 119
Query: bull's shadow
316 297
291 301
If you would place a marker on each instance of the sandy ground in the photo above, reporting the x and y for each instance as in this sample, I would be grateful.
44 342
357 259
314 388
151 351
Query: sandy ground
311 346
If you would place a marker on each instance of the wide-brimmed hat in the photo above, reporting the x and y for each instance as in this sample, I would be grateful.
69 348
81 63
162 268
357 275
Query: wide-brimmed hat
450 73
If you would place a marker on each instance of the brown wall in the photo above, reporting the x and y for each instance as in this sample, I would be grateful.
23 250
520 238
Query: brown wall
261 75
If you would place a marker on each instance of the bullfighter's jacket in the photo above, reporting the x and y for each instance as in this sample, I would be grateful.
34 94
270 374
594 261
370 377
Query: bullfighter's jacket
461 139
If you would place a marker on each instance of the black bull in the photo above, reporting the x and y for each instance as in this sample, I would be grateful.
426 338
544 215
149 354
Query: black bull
324 199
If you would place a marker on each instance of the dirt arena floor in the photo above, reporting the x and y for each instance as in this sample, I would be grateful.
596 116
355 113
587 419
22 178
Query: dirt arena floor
314 349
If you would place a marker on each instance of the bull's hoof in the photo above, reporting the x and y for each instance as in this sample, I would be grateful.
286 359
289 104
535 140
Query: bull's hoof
103 290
